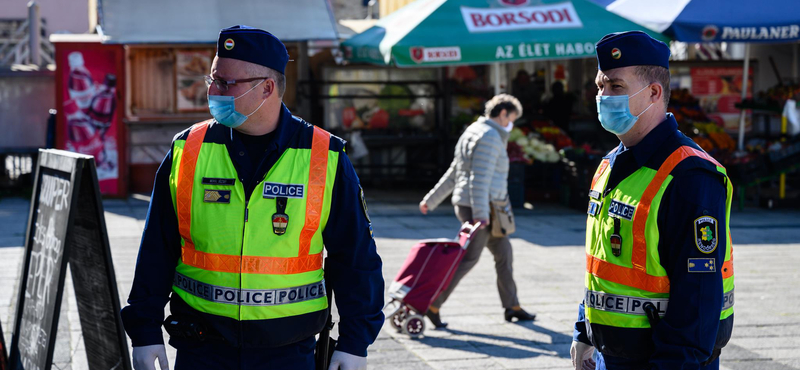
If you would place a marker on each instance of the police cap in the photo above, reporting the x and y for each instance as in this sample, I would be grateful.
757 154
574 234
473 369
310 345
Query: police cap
631 48
252 45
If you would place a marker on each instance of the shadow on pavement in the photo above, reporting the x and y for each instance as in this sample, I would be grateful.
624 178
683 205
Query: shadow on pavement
505 351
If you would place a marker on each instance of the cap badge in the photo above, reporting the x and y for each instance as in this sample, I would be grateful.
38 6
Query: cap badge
229 44
615 53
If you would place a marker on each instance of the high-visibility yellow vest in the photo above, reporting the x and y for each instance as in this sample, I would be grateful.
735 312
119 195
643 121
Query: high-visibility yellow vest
258 259
623 274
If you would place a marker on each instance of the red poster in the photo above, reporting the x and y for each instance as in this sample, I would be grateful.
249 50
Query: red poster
719 89
89 92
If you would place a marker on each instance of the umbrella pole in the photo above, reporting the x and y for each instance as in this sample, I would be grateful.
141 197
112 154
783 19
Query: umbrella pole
496 70
744 94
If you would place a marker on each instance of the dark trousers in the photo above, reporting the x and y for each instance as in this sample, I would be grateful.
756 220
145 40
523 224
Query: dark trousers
213 355
503 261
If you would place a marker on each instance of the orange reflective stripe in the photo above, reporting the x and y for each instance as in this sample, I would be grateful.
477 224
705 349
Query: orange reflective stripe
639 255
183 193
727 266
599 172
250 264
626 276
637 276
317 174
305 262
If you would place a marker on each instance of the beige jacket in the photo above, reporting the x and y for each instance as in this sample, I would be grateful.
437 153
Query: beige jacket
479 171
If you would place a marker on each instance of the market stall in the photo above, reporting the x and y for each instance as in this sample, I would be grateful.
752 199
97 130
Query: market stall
123 92
739 21
470 42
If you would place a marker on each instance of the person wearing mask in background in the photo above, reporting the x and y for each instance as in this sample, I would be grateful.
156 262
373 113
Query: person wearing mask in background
477 176
659 265
241 209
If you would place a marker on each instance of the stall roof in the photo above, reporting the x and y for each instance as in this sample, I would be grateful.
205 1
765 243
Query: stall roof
762 21
449 32
199 21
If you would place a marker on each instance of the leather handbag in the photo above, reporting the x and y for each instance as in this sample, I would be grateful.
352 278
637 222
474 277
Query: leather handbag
502 222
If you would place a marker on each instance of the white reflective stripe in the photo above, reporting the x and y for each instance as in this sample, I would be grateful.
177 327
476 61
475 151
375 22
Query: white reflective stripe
727 300
622 303
249 297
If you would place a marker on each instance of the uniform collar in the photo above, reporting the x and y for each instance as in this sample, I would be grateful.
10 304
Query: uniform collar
287 126
653 141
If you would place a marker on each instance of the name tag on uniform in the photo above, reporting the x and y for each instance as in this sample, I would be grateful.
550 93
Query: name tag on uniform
594 194
621 210
274 190
218 181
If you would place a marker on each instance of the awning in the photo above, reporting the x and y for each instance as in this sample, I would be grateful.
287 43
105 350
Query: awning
763 21
199 21
447 32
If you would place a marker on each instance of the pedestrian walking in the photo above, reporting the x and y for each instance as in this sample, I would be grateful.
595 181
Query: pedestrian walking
477 177
659 264
242 207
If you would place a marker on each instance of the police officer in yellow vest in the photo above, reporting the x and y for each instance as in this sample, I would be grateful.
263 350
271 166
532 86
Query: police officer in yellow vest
243 206
659 263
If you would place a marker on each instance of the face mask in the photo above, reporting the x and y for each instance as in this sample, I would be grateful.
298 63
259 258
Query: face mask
614 112
509 127
223 109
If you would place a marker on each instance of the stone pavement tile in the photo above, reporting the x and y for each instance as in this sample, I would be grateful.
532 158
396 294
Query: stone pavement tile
793 363
459 353
528 357
403 365
433 342
774 353
387 357
756 365
783 342
475 363
385 344
754 330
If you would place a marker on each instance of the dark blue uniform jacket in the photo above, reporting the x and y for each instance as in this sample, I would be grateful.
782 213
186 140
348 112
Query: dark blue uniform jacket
353 267
691 329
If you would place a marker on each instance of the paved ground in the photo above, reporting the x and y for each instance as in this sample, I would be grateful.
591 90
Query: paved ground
549 273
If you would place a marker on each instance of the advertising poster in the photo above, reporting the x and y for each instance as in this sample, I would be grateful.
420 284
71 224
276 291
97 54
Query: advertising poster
191 66
719 89
90 105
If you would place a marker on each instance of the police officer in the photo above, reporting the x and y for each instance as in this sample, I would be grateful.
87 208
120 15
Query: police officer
241 209
659 269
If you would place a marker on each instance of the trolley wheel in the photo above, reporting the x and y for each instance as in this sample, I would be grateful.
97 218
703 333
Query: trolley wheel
414 326
398 318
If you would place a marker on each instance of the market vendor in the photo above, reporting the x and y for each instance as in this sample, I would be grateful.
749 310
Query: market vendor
659 267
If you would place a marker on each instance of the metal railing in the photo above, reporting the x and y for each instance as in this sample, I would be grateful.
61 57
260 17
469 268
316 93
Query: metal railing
26 45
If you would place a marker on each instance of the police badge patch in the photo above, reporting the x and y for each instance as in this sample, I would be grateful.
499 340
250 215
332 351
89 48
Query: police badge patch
364 203
705 234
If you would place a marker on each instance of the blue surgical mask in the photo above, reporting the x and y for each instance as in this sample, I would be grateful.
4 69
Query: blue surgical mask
223 109
614 112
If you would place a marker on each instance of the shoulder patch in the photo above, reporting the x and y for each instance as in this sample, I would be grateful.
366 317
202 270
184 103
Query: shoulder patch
705 234
364 204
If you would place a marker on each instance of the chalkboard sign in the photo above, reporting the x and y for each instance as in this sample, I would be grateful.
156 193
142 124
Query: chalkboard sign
66 225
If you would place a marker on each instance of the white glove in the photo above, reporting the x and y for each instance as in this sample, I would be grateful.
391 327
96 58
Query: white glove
345 361
144 357
581 354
